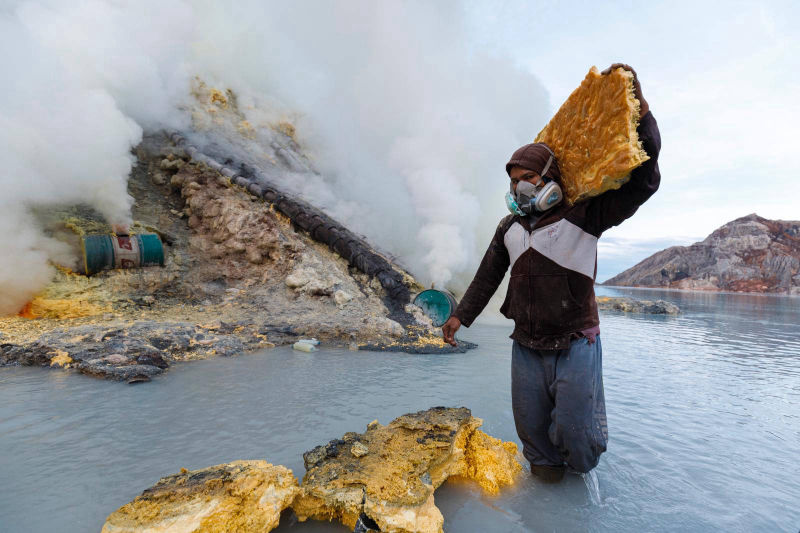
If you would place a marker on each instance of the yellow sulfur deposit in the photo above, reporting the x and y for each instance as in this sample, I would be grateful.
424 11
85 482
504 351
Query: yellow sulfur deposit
390 472
287 128
238 496
71 296
61 359
246 129
593 135
490 462
62 308
217 98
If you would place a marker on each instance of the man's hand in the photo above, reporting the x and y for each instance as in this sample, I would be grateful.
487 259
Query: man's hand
637 87
449 330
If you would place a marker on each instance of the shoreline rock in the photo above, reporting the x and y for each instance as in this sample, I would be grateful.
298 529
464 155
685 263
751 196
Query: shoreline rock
388 474
237 496
631 305
384 478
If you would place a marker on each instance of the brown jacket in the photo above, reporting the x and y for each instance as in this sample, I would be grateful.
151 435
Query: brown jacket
554 262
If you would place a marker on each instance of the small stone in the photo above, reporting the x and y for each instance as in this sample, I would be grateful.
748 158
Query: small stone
115 359
319 287
297 279
373 425
237 246
358 449
342 297
172 164
158 178
153 359
176 182
254 256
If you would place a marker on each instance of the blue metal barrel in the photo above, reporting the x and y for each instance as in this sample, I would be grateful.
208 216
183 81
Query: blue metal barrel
104 252
438 305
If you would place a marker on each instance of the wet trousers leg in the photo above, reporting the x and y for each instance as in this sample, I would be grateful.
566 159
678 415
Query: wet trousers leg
559 405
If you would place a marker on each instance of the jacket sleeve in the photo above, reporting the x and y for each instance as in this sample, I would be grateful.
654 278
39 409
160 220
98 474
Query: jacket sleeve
611 208
490 273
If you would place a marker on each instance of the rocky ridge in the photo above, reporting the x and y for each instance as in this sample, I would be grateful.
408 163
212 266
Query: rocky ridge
749 254
382 480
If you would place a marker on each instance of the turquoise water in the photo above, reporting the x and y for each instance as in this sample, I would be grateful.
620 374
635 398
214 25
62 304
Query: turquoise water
703 409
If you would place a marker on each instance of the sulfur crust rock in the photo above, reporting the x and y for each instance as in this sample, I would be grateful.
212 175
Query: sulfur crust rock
593 135
393 483
238 496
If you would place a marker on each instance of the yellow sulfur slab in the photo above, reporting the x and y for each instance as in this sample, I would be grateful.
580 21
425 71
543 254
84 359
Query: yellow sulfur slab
593 135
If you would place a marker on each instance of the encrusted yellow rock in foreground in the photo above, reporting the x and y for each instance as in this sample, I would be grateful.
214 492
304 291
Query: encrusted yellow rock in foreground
238 496
386 475
594 136
393 482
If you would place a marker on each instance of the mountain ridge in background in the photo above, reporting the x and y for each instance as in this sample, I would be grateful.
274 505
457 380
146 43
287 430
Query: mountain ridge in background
749 254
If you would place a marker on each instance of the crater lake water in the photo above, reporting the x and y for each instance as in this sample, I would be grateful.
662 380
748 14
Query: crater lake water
703 415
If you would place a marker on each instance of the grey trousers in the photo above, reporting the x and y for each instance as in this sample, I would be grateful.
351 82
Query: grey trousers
559 406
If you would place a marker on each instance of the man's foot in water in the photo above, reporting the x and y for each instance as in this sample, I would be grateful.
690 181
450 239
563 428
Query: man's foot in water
548 474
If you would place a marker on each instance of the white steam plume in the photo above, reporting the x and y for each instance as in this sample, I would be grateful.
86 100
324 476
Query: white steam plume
405 118
409 126
75 77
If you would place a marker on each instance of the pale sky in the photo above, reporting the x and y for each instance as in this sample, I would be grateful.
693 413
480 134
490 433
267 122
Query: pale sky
722 80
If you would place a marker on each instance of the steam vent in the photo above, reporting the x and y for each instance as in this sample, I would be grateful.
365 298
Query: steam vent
383 479
229 264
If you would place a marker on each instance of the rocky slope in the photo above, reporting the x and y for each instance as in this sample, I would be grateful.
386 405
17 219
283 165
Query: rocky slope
749 254
246 267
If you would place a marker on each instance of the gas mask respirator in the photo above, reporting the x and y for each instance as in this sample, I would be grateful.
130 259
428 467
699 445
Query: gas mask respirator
533 199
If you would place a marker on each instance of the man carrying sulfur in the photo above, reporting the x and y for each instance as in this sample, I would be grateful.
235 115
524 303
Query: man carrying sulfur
551 248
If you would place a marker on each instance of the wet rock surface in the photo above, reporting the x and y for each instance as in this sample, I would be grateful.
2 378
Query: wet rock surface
749 254
238 496
387 475
630 305
379 480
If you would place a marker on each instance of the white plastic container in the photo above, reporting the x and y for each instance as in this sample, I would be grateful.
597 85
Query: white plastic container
306 345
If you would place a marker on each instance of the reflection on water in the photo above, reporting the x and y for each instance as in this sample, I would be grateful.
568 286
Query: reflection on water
703 418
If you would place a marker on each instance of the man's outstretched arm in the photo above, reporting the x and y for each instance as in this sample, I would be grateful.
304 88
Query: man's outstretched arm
490 273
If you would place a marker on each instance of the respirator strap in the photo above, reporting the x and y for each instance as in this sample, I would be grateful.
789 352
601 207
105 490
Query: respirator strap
549 162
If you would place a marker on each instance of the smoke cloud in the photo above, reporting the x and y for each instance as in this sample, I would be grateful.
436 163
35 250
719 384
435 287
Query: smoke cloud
408 125
80 81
